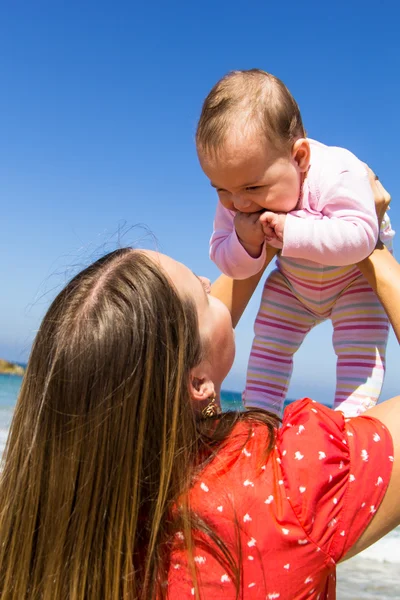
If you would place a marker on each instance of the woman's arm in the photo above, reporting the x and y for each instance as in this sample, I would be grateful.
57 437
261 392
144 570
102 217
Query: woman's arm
235 294
382 272
381 269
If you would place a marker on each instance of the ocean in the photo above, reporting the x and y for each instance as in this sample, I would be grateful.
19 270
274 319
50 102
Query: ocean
373 574
9 388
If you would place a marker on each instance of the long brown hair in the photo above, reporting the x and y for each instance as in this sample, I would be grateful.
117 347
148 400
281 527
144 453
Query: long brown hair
104 439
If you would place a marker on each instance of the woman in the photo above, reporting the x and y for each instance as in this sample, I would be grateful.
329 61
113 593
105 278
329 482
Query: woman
122 481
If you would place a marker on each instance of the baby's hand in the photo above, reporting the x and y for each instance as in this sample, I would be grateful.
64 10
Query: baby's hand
273 225
250 232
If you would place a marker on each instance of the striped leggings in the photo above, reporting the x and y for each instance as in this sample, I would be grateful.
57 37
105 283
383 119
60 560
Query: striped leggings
296 297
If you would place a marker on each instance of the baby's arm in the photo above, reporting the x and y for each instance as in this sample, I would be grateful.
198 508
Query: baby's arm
348 230
226 250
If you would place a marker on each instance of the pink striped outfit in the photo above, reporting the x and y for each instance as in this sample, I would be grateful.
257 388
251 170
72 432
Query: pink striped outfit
333 228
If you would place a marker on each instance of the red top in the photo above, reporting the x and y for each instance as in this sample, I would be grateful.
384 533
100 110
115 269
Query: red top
296 513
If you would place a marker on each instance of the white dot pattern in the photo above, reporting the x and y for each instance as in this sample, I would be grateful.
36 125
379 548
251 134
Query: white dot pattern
273 500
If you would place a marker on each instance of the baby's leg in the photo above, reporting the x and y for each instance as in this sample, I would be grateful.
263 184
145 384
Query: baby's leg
281 325
360 336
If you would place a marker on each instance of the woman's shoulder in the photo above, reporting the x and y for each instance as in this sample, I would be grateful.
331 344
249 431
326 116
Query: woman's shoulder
313 446
310 420
303 503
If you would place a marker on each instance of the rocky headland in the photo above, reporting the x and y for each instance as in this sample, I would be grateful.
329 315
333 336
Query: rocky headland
10 368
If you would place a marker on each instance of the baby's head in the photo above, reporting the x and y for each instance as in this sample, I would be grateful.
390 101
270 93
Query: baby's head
251 143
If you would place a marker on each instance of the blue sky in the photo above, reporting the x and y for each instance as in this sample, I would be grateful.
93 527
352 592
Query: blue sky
98 110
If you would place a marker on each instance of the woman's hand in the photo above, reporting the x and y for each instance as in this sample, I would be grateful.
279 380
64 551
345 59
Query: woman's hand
381 269
381 195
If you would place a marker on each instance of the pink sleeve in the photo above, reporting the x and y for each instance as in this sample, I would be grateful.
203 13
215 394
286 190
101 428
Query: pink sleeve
226 250
336 472
348 229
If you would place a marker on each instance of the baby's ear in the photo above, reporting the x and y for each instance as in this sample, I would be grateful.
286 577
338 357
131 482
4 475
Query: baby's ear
301 154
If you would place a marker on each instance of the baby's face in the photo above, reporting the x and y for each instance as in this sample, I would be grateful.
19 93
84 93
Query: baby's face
250 175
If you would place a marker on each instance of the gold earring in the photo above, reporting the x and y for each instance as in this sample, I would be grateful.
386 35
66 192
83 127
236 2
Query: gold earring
211 409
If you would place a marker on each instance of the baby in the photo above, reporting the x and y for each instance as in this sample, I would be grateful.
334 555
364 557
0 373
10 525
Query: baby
314 202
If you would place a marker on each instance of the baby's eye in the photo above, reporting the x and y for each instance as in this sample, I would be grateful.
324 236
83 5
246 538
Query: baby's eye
253 188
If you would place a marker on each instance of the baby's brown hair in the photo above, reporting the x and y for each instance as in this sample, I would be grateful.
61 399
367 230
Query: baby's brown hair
250 98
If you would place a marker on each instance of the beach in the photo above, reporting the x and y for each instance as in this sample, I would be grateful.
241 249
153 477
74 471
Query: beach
369 579
373 574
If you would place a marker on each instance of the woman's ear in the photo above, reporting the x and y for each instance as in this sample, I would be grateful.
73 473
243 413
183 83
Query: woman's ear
301 154
200 385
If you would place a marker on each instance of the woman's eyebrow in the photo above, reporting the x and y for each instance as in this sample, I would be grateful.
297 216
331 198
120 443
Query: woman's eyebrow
202 285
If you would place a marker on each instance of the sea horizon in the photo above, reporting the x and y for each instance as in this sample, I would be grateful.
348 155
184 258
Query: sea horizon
10 385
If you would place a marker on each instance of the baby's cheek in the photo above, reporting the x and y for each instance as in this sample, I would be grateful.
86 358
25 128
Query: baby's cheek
262 201
226 203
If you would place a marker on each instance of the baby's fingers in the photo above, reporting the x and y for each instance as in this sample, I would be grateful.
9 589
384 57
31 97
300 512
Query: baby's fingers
268 231
267 218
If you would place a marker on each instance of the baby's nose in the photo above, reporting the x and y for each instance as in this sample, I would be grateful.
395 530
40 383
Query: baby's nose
241 203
